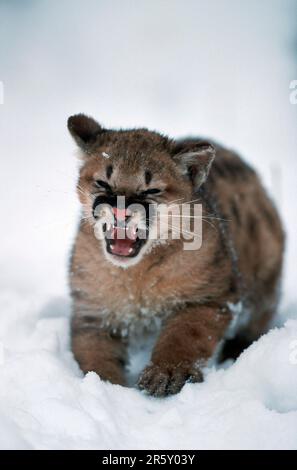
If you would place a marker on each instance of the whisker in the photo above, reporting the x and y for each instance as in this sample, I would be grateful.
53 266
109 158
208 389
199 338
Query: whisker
83 191
187 202
184 231
198 217
179 199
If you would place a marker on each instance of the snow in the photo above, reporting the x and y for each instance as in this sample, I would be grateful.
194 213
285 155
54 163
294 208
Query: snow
240 318
186 77
46 402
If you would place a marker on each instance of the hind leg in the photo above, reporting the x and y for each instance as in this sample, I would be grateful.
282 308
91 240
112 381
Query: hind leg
257 327
234 347
259 324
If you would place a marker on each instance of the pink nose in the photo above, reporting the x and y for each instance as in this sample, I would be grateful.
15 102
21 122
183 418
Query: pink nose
120 214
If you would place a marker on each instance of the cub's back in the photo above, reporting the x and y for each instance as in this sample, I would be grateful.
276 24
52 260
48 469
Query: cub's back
252 224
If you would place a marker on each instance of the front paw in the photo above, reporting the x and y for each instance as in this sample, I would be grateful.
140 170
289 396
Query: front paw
168 379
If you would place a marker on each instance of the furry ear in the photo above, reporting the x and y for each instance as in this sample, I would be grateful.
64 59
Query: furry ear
84 130
195 161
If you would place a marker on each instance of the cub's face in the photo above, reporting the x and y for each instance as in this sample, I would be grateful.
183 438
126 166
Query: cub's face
129 181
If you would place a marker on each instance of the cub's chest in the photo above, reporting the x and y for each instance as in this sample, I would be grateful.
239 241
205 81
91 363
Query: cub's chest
136 304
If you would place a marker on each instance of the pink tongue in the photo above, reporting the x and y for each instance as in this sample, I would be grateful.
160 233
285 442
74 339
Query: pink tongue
122 246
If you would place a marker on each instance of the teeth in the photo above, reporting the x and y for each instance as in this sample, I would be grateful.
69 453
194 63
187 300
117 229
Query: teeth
112 247
130 250
108 227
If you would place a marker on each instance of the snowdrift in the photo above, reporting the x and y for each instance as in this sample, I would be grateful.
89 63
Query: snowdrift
46 403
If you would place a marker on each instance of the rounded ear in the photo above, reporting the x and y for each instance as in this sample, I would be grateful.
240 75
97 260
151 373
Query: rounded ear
84 130
195 160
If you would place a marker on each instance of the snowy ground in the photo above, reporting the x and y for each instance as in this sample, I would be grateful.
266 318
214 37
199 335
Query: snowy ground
46 403
219 68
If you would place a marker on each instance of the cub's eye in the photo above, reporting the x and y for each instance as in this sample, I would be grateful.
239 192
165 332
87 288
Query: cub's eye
103 185
151 191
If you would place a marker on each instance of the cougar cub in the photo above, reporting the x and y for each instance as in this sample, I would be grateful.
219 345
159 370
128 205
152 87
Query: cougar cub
125 283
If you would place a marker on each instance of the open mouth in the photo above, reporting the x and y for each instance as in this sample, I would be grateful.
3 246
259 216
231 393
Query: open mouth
124 241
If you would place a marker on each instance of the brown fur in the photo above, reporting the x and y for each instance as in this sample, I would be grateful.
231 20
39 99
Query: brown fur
191 292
